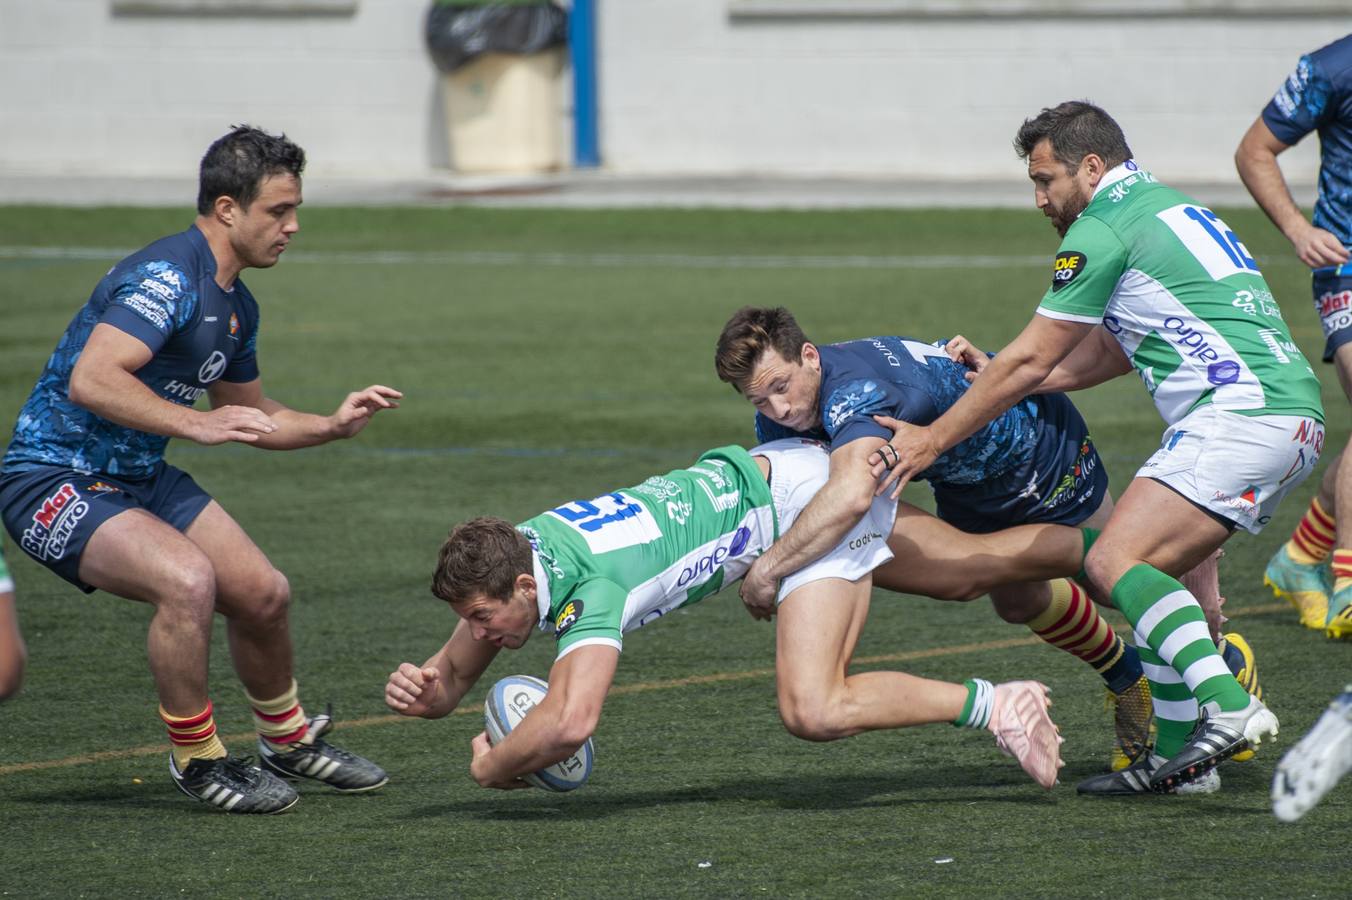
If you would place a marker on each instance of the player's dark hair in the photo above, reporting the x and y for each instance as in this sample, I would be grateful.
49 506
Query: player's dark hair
236 165
749 333
1075 128
481 556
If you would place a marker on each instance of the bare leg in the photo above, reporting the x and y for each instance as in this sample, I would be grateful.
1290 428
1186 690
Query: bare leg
13 654
254 597
140 557
934 559
816 633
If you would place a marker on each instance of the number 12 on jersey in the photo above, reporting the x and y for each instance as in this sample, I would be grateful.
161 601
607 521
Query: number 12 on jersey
1209 240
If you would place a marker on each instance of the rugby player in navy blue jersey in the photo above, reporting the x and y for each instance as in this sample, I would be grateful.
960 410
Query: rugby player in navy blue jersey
1035 464
85 490
1314 569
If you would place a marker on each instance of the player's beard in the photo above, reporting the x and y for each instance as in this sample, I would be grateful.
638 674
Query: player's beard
1065 216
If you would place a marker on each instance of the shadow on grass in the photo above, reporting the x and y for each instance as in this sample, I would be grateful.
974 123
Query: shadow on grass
881 788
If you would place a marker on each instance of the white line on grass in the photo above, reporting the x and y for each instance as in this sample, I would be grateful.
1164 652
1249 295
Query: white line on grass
575 260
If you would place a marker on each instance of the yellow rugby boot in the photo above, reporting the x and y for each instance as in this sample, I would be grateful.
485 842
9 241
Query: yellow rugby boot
1238 656
1304 586
1133 723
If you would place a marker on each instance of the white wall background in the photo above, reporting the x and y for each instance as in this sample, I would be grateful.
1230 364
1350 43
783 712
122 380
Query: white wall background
684 88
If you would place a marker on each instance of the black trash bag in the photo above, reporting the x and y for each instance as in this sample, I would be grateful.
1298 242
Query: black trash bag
456 33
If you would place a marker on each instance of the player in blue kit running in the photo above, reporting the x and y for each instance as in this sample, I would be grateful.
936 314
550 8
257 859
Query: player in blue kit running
85 490
1313 570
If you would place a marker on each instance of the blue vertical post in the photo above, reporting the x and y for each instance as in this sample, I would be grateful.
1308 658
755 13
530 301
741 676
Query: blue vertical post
582 49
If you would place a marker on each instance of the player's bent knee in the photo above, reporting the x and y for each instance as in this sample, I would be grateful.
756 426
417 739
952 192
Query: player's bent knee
189 588
811 720
264 600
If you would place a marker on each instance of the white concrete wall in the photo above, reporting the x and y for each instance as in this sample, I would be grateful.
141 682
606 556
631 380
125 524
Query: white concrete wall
684 87
83 90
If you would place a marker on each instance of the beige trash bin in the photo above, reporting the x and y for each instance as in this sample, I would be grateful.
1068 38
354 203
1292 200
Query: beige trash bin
504 113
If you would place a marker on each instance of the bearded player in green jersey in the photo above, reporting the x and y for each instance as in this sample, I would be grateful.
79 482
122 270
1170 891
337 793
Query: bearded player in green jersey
1147 278
590 571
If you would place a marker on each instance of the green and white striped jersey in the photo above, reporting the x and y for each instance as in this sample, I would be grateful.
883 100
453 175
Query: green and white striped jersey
612 564
1183 297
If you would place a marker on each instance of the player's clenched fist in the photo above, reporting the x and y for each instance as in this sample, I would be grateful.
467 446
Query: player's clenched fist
412 691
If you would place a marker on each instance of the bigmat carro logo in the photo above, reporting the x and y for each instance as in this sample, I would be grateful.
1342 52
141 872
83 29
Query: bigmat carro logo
53 523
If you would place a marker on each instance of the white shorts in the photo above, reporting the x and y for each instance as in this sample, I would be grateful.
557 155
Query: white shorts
798 469
1238 467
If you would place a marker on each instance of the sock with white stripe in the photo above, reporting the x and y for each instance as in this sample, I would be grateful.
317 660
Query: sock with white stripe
1175 708
281 721
976 710
1169 621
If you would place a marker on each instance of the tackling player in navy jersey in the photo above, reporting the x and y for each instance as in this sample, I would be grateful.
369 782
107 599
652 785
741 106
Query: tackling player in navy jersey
1035 464
85 490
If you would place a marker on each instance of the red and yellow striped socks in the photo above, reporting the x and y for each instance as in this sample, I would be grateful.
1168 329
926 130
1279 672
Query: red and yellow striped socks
280 721
1312 541
193 737
1073 624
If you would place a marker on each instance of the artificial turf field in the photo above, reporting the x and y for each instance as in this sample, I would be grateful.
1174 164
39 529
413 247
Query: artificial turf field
548 356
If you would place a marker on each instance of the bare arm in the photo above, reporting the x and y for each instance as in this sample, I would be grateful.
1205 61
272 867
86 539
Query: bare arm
1256 160
436 687
554 729
297 429
1096 359
103 382
1014 373
836 508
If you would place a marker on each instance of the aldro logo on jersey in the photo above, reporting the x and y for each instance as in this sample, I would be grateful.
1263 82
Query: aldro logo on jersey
1068 264
567 617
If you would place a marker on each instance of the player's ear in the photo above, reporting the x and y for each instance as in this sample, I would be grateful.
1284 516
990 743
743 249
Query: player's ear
1095 167
525 585
225 208
811 357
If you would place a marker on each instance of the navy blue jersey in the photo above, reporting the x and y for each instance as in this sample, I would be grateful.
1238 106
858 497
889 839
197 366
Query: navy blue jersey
1318 97
916 383
166 296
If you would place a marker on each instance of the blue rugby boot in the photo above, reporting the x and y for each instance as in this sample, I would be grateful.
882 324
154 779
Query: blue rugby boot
1304 586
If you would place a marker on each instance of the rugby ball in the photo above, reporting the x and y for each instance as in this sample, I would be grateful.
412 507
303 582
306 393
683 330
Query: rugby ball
507 704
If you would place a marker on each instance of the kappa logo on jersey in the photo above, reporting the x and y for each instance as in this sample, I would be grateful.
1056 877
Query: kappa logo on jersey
103 487
853 398
54 522
1068 264
234 326
568 617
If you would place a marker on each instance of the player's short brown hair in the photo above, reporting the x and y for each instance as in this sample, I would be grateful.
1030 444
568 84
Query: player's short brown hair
1076 129
481 556
749 333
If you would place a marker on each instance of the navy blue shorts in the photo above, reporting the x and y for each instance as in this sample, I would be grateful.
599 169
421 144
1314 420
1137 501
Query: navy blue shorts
1061 483
1333 304
51 512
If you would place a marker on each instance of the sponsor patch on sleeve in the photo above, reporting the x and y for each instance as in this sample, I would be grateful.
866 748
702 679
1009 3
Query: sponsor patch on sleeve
567 617
1068 264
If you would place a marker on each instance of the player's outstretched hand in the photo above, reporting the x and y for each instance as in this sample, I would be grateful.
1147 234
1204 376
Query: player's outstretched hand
1317 248
964 352
758 591
231 423
357 410
481 747
411 691
910 452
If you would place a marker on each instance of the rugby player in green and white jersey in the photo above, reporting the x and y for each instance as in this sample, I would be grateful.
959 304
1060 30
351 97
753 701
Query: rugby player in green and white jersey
590 571
1147 278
